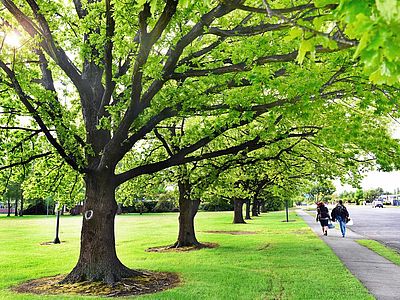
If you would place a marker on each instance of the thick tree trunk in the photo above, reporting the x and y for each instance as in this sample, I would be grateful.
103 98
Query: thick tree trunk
248 210
187 211
254 209
98 260
238 211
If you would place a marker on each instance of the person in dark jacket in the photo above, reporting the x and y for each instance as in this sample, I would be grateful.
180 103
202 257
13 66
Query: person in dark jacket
340 214
323 217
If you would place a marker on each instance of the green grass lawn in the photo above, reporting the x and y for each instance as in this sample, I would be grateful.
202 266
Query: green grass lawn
382 250
283 261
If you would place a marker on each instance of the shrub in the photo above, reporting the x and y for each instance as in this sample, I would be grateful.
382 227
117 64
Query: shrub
165 206
216 205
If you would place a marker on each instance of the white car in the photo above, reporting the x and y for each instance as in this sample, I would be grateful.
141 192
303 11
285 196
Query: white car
377 203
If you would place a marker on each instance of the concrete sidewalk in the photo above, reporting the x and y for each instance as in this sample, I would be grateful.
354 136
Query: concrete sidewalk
380 276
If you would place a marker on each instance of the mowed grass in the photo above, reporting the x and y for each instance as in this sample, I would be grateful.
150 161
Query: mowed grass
382 250
283 261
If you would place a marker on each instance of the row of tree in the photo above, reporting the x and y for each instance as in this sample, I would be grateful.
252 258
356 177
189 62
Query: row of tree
325 191
230 99
360 196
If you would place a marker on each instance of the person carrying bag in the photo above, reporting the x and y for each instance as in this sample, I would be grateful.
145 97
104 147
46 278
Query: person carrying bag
341 215
323 217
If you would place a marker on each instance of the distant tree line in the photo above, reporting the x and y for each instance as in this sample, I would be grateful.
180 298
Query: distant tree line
359 196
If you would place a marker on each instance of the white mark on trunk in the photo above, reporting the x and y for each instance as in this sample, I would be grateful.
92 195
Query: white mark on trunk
88 214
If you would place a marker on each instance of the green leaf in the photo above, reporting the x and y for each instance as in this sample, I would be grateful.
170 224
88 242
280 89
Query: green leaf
362 44
140 3
305 46
323 3
293 33
388 8
104 123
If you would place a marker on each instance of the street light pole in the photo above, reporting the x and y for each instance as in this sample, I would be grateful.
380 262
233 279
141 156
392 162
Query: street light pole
57 239
287 210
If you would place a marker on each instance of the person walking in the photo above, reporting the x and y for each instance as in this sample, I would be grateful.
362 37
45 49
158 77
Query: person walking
340 214
323 217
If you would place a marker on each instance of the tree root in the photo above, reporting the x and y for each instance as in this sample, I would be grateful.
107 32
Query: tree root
174 248
109 274
152 282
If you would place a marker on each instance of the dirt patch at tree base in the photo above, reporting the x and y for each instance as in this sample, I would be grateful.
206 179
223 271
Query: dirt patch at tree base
231 232
150 282
183 248
51 243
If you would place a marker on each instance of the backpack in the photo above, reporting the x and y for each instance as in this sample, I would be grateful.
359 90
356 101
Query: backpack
341 211
324 213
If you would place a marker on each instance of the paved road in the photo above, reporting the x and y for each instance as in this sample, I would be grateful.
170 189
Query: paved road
381 224
377 274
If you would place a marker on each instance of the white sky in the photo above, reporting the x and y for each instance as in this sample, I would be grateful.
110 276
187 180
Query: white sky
389 181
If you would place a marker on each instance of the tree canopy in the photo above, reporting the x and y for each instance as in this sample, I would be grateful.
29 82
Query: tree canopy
92 82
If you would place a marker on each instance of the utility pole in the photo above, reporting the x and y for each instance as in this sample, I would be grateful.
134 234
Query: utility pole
57 239
287 210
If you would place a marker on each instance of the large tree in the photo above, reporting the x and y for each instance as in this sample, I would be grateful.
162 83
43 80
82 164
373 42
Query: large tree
94 78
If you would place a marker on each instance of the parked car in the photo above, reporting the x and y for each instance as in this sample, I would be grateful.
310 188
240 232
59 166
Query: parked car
377 203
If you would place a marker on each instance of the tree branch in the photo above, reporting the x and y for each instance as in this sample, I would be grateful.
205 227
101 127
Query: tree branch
79 10
210 47
180 157
47 42
109 83
249 30
19 128
243 67
275 11
25 161
164 142
19 144
25 100
147 40
48 83
136 108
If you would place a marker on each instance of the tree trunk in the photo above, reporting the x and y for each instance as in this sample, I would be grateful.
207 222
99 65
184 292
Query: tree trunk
248 210
238 211
254 209
21 210
98 260
16 207
8 207
187 211
262 206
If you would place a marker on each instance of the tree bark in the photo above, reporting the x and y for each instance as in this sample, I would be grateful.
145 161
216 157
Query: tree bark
21 210
16 207
187 211
8 207
248 210
238 211
98 260
254 209
262 206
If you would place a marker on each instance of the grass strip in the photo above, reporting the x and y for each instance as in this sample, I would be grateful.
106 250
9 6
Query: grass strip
382 250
